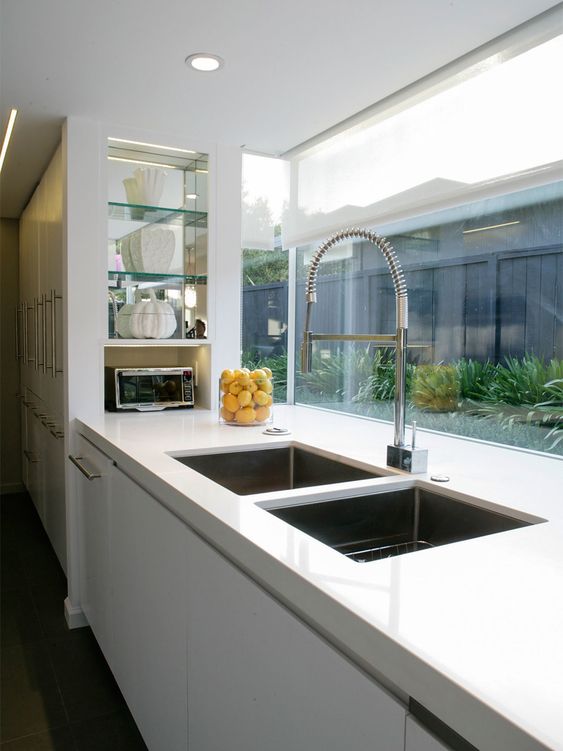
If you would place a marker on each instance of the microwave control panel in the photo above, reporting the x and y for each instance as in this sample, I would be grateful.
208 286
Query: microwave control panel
188 386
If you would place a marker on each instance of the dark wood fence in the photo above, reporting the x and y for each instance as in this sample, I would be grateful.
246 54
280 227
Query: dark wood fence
483 306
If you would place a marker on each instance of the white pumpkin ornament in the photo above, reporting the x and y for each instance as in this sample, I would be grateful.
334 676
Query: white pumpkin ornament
152 319
123 324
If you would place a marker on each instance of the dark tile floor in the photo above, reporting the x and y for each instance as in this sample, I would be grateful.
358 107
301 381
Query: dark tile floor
57 692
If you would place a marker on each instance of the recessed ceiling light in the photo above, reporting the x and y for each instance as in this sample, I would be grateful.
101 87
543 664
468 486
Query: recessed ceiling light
205 62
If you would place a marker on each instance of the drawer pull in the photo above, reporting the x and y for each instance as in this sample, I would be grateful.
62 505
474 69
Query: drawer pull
30 456
87 474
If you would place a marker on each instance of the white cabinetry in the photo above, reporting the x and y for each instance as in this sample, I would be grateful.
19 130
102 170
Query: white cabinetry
419 739
258 678
39 348
205 658
148 625
94 484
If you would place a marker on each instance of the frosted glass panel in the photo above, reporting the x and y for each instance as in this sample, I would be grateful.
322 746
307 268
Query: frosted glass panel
496 131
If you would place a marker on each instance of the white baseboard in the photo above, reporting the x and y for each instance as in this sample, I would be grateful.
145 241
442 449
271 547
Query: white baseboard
9 488
74 616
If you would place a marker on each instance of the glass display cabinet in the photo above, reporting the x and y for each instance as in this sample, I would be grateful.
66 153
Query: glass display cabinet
157 242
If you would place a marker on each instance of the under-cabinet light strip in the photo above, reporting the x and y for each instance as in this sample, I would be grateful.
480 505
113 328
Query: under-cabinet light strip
154 145
140 161
202 171
8 135
492 226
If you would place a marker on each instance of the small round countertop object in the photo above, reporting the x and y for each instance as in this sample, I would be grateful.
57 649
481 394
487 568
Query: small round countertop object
276 431
440 478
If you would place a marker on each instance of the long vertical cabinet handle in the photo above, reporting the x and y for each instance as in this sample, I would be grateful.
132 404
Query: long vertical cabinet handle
26 358
44 330
54 298
34 346
19 312
36 332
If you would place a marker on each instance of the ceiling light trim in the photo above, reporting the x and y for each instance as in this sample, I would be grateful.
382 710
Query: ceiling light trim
204 62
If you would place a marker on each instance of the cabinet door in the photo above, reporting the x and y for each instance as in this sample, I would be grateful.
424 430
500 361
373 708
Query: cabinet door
50 193
261 679
148 569
93 525
30 294
419 739
34 457
54 504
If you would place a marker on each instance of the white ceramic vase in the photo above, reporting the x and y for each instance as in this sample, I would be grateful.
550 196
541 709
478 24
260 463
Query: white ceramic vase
150 184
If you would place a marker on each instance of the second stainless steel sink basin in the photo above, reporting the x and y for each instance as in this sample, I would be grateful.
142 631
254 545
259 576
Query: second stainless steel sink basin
384 524
270 469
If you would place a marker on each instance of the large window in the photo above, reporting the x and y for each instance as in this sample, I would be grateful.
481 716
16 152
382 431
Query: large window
464 174
485 324
265 270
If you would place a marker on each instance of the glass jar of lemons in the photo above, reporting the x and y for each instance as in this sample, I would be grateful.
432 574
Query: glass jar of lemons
246 396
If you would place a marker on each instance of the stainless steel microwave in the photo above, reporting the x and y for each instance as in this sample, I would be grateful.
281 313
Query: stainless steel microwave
147 389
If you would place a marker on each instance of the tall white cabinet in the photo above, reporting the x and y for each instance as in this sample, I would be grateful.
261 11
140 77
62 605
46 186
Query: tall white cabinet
40 327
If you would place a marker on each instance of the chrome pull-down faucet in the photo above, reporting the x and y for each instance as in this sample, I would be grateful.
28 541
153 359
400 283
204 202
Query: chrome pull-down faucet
398 455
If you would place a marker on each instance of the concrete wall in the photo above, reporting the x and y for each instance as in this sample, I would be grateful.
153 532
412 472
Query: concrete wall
10 449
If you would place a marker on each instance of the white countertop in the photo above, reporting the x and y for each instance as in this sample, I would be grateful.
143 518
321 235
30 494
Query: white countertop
471 630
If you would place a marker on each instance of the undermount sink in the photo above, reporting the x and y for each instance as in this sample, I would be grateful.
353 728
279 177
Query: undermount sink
271 469
381 525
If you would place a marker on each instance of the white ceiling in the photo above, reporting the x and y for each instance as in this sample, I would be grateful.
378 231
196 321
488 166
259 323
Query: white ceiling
293 68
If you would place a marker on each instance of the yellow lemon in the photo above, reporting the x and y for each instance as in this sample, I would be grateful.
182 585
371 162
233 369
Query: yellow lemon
225 387
268 372
252 386
226 415
260 397
262 413
244 398
243 379
235 388
227 376
267 386
245 415
269 402
230 402
259 373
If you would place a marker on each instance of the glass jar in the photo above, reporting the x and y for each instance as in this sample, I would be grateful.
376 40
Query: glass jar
246 397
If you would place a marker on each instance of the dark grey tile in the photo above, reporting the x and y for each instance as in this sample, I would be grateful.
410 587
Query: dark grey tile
117 732
31 701
19 621
41 568
87 685
49 605
21 526
11 571
59 739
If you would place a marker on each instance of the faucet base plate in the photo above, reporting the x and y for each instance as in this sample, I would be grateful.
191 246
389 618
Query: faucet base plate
407 459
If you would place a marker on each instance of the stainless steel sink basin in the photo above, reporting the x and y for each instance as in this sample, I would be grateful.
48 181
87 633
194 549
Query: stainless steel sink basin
271 469
385 524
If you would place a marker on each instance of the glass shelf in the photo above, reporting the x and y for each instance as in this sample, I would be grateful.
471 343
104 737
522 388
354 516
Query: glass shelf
130 212
121 279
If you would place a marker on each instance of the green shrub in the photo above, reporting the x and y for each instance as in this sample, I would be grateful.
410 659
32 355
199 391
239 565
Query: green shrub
335 378
278 366
435 388
474 377
523 381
